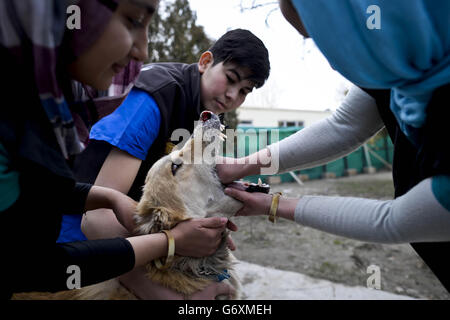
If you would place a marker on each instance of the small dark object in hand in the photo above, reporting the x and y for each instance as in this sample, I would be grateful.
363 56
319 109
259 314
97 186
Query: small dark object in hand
251 187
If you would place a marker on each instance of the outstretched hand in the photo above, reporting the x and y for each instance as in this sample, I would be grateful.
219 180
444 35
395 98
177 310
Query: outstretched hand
255 203
229 170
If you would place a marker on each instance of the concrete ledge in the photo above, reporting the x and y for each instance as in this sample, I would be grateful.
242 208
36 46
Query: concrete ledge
350 172
328 175
370 170
262 283
274 180
303 177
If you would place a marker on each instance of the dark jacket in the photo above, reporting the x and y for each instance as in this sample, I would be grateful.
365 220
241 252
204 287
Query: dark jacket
176 90
31 259
413 164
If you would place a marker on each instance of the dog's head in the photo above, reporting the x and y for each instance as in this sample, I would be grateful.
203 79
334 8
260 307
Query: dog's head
184 184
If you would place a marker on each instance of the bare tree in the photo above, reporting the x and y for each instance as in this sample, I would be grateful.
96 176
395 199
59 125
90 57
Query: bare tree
246 5
174 35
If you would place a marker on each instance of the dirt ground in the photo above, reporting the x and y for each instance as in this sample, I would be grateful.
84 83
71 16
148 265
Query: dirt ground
289 246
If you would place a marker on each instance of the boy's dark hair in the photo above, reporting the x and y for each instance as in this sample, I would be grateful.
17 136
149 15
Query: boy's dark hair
246 50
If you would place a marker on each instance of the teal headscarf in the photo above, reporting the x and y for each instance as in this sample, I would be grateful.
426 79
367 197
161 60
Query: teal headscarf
409 53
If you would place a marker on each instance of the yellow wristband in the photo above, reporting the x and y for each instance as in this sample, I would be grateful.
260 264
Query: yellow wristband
170 252
274 206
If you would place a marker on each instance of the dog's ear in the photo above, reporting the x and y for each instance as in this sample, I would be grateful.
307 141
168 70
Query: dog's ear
155 220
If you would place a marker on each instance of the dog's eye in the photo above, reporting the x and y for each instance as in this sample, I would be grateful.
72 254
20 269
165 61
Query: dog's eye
175 167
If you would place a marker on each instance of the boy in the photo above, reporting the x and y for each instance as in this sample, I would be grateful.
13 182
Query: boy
166 96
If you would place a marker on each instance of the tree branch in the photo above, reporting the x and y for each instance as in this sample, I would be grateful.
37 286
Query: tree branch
256 5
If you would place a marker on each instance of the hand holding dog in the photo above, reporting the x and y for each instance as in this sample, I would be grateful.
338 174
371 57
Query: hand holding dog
199 237
258 203
255 204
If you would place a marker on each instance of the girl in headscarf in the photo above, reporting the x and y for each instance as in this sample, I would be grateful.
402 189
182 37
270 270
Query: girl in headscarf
44 66
401 66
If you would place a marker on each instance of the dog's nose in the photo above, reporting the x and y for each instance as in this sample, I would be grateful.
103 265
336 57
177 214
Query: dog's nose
206 115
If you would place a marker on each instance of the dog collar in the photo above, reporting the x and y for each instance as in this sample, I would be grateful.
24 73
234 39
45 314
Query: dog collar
224 275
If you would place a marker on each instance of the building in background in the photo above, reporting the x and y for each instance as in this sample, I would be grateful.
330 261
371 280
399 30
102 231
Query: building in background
261 126
250 116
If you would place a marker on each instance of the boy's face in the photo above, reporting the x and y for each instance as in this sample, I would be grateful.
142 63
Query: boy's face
124 38
224 87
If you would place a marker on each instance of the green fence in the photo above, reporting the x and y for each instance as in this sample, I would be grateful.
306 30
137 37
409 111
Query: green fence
251 139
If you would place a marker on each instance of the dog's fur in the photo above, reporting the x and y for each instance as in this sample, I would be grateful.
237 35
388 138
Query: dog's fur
170 196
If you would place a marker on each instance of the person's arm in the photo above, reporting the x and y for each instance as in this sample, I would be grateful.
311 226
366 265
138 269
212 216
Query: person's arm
118 172
107 201
85 197
36 263
190 236
144 288
354 122
104 259
417 216
421 215
131 130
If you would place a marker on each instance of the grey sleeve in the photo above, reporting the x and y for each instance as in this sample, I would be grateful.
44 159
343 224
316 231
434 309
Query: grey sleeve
414 217
354 122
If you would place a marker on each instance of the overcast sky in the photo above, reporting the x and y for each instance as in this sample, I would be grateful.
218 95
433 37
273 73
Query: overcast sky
300 76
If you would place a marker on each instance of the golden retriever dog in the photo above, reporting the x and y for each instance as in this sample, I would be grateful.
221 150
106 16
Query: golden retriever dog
180 186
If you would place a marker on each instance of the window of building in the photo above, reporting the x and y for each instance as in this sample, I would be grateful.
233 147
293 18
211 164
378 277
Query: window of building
247 123
290 123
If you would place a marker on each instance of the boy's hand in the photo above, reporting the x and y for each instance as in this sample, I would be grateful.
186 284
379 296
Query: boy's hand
124 208
122 205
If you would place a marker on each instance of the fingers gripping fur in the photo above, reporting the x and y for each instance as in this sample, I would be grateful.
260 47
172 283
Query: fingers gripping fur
157 219
155 222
